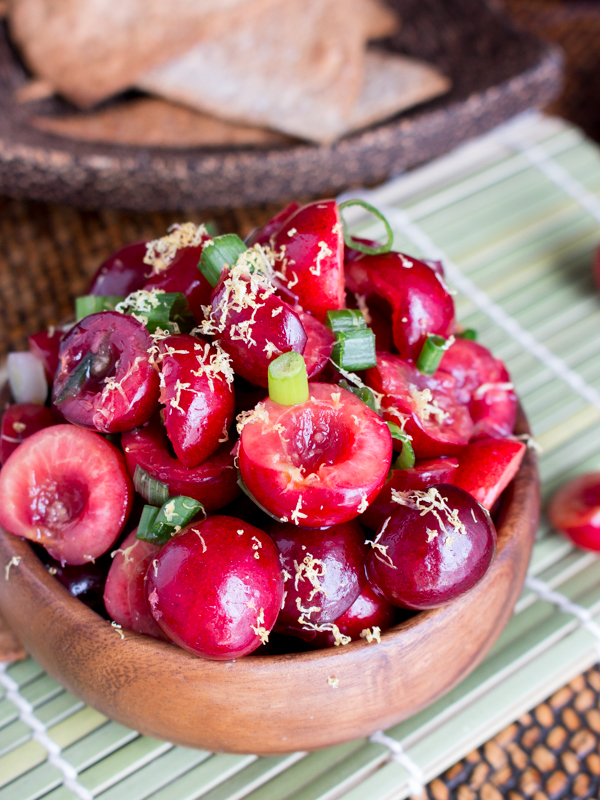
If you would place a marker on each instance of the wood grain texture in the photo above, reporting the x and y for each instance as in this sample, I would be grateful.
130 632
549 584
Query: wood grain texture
496 72
272 704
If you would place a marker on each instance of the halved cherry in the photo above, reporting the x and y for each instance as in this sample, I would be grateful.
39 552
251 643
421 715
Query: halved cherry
197 390
483 383
436 546
252 324
263 235
216 588
122 273
182 275
310 248
44 346
368 616
419 302
67 489
319 344
323 574
105 380
213 483
438 424
423 475
20 421
575 510
487 466
318 463
125 588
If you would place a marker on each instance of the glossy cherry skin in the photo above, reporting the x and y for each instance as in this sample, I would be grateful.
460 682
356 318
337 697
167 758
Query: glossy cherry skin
83 581
45 345
482 383
318 463
182 275
575 510
434 433
323 573
119 388
311 246
368 611
419 301
198 397
319 344
122 273
263 235
20 421
254 335
213 483
125 588
216 588
423 475
487 466
421 561
67 489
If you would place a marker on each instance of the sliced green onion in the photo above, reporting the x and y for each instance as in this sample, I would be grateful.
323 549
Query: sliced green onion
211 228
468 333
432 353
249 494
218 254
144 531
360 246
406 459
347 319
288 381
168 311
355 350
153 491
172 517
362 392
93 303
76 379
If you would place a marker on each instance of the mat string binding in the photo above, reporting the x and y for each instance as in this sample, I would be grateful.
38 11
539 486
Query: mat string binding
416 783
40 734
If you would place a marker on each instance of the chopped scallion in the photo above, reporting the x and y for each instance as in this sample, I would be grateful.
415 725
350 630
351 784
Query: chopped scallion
346 319
360 246
355 350
362 392
144 531
432 353
406 459
93 303
153 491
468 333
288 381
218 254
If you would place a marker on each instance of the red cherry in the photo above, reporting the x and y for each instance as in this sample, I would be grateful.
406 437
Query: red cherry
253 325
487 466
105 380
311 244
182 275
369 614
213 483
263 235
125 588
575 510
67 489
319 344
122 273
198 394
83 581
318 463
19 421
216 588
423 475
44 346
434 548
419 301
437 422
323 573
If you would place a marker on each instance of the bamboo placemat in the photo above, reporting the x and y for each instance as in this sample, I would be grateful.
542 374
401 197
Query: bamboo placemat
516 218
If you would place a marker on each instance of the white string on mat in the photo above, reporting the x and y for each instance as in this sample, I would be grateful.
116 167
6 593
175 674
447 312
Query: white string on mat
40 734
544 592
465 285
416 782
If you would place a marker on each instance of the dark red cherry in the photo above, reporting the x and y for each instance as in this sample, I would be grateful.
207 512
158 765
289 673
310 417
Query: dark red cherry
436 546
319 344
122 273
368 616
263 235
182 275
216 588
105 380
44 346
19 421
323 574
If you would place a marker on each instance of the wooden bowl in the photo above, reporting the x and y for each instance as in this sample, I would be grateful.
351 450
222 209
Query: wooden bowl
271 704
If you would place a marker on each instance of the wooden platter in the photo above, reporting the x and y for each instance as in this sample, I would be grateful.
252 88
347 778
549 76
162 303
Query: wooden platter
496 73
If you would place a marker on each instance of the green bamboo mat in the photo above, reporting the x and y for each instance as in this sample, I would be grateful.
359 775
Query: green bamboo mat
516 219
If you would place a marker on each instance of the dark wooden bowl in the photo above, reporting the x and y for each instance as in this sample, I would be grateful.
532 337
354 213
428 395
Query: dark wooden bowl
496 70
271 704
